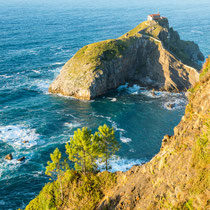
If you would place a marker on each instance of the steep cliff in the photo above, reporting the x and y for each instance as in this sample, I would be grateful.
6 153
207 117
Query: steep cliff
176 178
151 54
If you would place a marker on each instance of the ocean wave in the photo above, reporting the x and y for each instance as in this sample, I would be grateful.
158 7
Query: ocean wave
177 103
36 71
6 166
43 84
125 139
115 125
71 115
5 76
72 125
62 96
196 31
122 87
112 99
18 136
135 89
58 63
2 203
122 164
112 122
20 52
160 94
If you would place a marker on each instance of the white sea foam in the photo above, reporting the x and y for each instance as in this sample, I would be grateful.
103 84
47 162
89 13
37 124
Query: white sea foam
11 165
36 71
72 125
5 76
125 139
122 164
196 31
177 103
176 99
160 94
122 87
113 123
16 135
134 89
2 202
58 63
72 116
131 150
43 84
114 99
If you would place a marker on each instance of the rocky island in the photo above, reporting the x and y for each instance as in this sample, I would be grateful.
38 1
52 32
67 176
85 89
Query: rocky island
151 55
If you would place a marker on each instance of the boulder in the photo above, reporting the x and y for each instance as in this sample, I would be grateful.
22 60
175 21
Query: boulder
25 141
21 159
171 106
9 157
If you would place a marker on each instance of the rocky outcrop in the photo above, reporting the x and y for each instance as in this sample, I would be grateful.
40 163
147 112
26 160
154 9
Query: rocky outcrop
21 159
146 55
9 157
178 176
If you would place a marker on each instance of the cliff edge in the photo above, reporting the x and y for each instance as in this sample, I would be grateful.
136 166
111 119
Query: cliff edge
152 55
178 176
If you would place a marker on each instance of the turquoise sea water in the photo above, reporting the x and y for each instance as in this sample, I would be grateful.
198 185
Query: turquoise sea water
36 39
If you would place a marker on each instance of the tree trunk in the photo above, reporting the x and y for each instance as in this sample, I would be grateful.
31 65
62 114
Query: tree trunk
61 187
106 161
59 179
84 163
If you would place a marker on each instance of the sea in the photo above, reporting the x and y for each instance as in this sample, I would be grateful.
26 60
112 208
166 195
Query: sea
36 39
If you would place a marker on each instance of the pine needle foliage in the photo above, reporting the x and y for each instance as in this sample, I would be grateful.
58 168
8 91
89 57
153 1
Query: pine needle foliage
107 143
83 150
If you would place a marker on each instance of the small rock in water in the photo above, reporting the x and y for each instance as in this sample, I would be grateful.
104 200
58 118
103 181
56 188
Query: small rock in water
25 142
171 106
153 92
21 159
9 157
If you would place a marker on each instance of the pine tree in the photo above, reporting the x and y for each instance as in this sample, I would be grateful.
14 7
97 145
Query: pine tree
107 143
56 168
83 150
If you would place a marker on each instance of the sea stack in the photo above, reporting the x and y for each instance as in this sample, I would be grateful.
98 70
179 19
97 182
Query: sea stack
151 55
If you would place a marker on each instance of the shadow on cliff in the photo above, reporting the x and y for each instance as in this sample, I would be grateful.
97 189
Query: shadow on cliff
112 204
149 71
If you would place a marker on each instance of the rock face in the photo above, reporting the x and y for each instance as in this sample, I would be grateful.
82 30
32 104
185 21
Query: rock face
178 176
147 55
